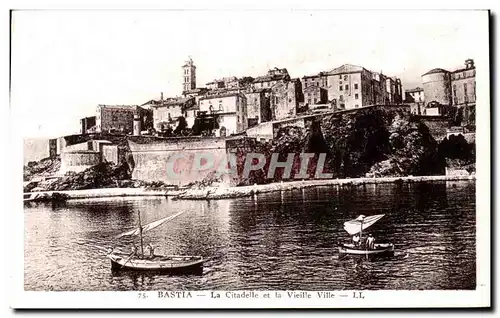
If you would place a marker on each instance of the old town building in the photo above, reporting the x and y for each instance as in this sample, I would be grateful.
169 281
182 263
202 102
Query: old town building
87 124
117 118
188 76
320 79
415 95
166 112
437 86
352 86
229 110
394 90
284 98
443 89
315 95
258 106
272 77
463 85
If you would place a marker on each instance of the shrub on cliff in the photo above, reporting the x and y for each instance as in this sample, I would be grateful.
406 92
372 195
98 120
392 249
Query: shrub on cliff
102 175
458 153
44 167
356 141
412 151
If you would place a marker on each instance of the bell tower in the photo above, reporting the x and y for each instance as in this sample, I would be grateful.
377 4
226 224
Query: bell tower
188 76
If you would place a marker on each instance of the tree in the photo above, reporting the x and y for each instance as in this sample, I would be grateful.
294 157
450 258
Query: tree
181 126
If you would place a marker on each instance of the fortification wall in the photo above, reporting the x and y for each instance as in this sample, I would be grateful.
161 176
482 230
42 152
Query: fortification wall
78 160
171 160
110 153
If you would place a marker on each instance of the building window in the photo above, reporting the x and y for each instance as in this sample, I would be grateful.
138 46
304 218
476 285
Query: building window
355 85
340 83
341 88
346 87
356 105
356 96
308 100
315 101
340 76
454 90
305 84
345 77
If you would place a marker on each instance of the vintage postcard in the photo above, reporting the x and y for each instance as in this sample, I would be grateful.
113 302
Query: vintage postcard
251 159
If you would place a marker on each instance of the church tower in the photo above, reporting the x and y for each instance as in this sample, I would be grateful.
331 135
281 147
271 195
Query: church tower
188 76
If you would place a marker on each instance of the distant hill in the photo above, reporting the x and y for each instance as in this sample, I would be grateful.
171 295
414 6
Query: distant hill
35 149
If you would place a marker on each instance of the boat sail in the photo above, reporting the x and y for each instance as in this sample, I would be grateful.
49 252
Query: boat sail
361 223
149 226
156 263
357 226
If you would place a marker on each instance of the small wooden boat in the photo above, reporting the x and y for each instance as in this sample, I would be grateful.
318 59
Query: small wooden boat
158 263
356 226
382 249
137 261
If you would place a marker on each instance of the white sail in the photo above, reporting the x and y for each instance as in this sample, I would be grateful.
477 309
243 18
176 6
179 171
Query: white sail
354 226
149 226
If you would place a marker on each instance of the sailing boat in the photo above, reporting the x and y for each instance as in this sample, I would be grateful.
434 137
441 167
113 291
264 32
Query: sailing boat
357 226
154 263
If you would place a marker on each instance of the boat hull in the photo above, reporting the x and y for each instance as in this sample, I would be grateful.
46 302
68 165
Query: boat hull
382 249
158 264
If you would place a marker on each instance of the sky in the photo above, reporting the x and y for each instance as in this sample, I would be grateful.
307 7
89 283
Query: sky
65 63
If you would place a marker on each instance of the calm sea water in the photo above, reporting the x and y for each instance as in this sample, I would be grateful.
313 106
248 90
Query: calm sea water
278 241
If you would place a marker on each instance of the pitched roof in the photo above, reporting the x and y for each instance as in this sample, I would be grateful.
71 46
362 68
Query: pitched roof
172 101
346 68
228 94
436 71
268 78
414 90
124 107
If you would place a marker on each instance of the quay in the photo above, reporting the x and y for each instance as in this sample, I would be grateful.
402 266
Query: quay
214 192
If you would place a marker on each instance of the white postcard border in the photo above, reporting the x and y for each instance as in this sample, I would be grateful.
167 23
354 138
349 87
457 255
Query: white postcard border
385 299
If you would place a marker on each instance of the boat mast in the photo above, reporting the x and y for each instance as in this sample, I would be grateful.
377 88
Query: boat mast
140 234
361 232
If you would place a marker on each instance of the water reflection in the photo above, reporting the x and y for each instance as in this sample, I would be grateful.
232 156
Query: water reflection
283 240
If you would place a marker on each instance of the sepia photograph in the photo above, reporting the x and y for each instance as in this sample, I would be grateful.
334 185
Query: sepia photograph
258 158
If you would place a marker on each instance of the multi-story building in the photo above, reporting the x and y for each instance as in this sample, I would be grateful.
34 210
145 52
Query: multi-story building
258 106
315 95
416 95
437 86
463 85
394 90
443 88
167 112
320 79
352 86
349 86
272 77
229 110
117 118
284 98
87 124
188 76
